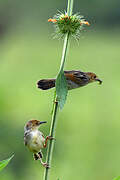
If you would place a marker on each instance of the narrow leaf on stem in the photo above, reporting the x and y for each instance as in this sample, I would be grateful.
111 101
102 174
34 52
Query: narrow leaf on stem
4 163
118 178
61 89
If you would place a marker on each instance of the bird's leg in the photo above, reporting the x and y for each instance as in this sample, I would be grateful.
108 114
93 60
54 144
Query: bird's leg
46 140
40 158
35 156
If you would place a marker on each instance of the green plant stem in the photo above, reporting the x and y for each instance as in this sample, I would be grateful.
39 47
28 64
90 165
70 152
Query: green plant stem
70 7
51 144
65 47
55 109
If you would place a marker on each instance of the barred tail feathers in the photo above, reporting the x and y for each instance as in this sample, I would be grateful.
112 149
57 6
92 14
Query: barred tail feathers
45 84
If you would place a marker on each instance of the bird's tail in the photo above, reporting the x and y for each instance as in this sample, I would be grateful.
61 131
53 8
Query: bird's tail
45 84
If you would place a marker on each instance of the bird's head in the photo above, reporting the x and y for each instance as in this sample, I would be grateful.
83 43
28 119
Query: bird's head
33 124
93 77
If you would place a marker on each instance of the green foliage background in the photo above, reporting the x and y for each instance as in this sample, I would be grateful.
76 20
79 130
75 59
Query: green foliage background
88 130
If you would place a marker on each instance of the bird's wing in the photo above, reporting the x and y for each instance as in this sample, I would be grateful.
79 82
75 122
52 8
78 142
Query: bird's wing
77 77
81 75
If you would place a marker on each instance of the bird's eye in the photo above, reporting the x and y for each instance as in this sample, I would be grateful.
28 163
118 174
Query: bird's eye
95 76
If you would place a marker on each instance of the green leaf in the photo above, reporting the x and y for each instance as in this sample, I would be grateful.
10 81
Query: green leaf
61 89
118 178
4 163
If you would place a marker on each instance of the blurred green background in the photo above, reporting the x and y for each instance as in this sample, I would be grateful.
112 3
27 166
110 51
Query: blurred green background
88 130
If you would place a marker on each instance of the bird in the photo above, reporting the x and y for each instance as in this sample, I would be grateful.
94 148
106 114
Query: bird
75 79
35 140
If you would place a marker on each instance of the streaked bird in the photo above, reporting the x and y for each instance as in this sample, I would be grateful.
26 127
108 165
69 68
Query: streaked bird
75 79
35 140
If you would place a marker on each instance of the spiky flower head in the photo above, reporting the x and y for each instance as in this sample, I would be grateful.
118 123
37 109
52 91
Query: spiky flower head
68 24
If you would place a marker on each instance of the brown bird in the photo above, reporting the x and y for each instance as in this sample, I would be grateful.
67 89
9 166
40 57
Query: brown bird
35 140
75 79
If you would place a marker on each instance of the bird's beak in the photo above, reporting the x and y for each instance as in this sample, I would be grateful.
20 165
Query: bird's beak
41 122
100 81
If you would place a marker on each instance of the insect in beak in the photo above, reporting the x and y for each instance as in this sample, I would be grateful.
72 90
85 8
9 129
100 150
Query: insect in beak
100 81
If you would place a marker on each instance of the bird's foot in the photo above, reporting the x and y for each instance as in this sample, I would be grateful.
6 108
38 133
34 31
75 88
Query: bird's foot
45 165
51 138
56 101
